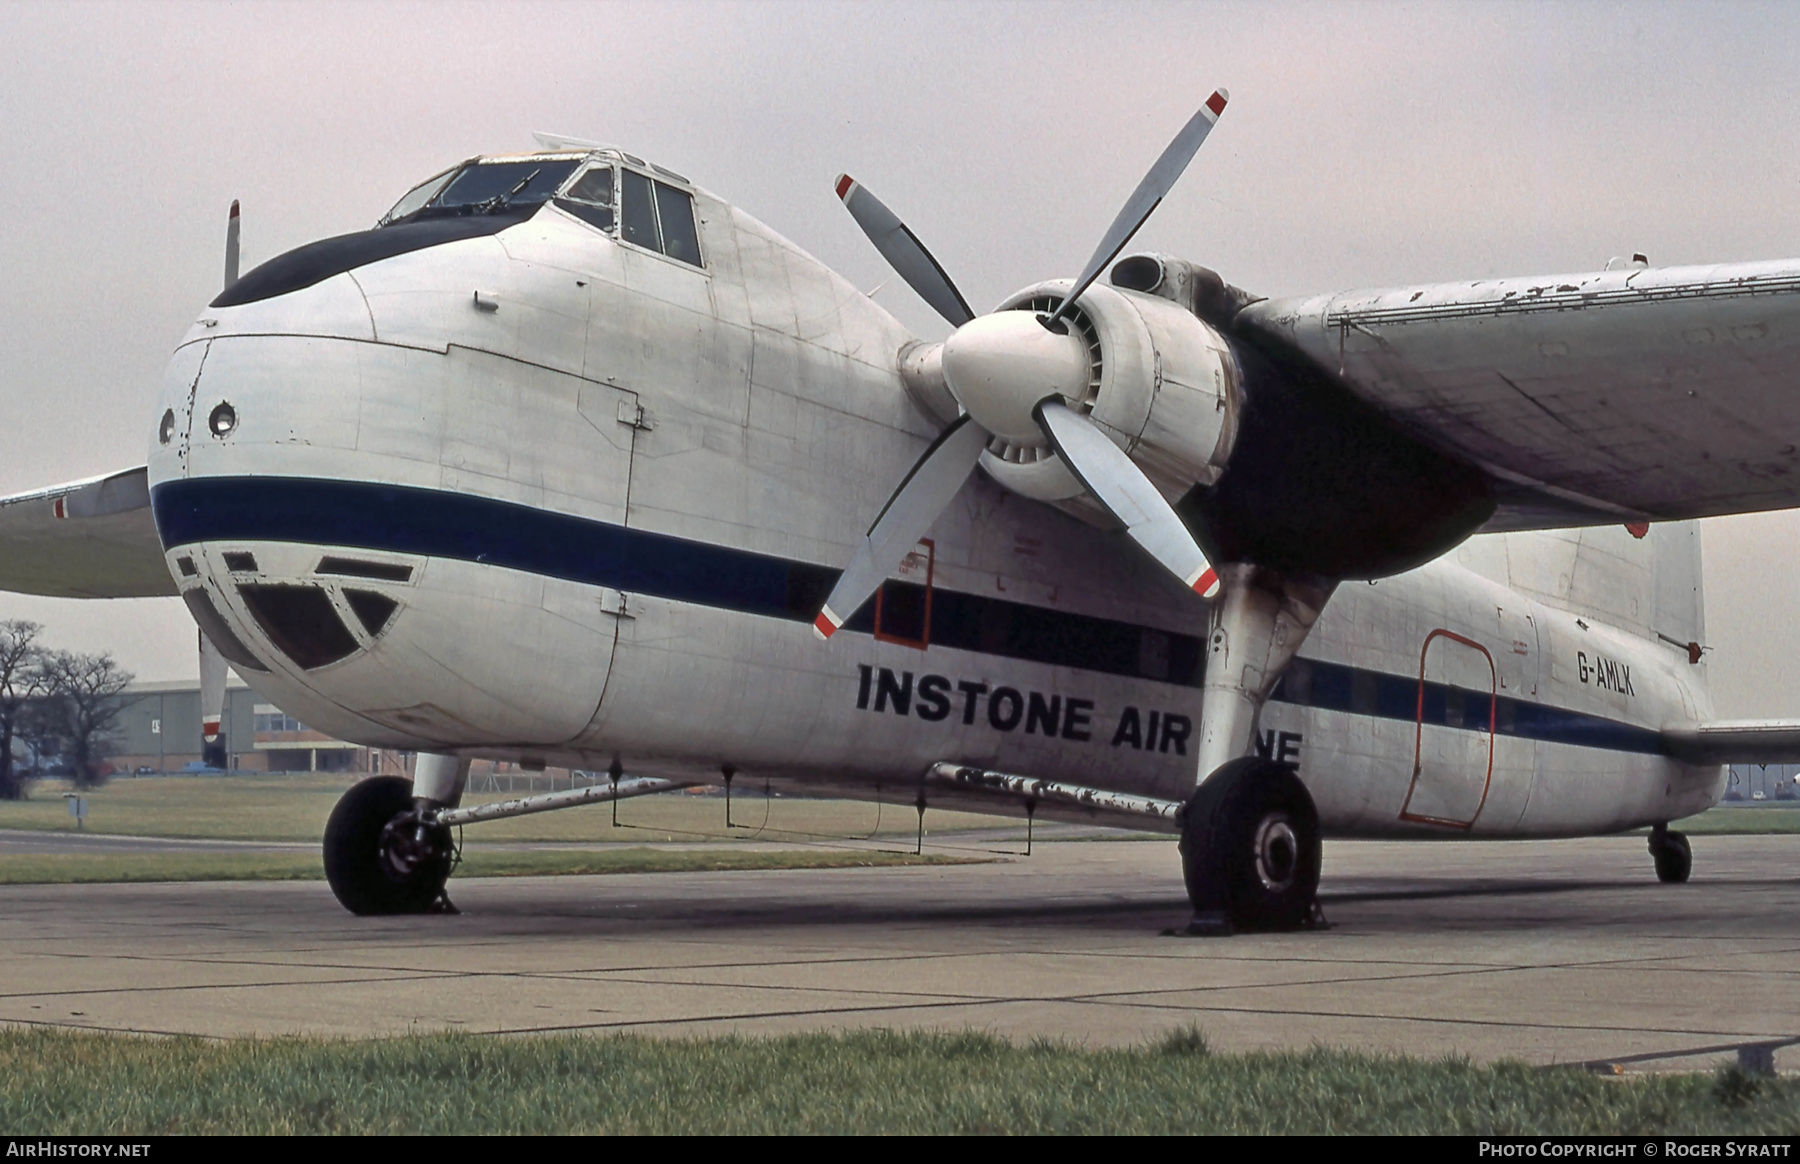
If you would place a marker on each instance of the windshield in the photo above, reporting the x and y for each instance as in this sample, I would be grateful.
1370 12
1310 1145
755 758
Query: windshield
416 197
483 188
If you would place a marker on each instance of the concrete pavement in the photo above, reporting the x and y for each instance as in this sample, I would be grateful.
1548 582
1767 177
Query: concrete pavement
1551 951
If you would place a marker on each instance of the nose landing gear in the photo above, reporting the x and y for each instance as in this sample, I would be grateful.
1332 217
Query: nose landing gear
380 855
1673 855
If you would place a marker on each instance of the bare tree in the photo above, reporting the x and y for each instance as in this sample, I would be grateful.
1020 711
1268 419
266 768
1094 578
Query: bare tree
21 686
85 705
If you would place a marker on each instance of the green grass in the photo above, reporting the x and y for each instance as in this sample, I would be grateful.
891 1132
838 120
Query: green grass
1750 821
73 868
252 807
882 1082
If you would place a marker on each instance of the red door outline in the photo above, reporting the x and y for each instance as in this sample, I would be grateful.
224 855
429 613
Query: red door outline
1419 735
923 642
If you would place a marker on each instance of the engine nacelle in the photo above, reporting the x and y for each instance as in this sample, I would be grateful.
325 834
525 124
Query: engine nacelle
1162 384
1197 288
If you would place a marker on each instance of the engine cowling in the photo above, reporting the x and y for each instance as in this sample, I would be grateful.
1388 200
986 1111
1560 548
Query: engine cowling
1162 384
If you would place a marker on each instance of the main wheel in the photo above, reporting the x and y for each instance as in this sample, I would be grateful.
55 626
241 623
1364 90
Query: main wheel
1250 848
380 858
1673 855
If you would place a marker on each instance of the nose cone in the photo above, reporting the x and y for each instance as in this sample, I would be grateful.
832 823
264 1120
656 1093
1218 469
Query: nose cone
1000 366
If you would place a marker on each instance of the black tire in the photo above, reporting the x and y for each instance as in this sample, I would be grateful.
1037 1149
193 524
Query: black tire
1673 855
1250 847
378 858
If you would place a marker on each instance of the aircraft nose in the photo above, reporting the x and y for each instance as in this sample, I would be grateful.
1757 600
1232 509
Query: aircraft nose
332 308
316 262
273 403
262 381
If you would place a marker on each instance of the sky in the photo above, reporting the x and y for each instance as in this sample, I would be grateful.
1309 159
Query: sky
1365 145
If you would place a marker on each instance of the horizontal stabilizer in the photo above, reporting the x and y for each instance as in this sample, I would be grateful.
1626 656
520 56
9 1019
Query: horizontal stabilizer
87 539
1736 741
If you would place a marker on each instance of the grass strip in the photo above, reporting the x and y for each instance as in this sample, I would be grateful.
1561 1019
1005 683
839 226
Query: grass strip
1741 821
61 1083
73 868
505 863
252 807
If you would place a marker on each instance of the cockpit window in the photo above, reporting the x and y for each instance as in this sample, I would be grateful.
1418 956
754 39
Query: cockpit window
658 217
590 198
494 184
484 188
675 213
638 211
418 196
595 186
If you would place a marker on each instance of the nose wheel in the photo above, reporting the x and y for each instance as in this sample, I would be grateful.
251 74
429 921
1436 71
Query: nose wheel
1673 855
1250 850
380 855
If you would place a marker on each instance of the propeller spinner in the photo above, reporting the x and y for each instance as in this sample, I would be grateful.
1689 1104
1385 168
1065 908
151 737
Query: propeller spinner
1015 373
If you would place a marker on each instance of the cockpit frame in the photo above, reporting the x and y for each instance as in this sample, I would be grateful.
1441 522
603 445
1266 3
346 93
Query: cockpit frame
647 208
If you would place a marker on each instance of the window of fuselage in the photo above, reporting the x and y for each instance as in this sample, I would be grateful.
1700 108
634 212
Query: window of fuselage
658 217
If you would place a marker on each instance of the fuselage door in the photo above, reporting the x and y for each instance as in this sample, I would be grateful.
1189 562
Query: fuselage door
614 416
1453 758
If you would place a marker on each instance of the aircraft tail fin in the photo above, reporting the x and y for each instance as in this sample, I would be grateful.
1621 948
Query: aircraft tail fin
1643 579
1678 592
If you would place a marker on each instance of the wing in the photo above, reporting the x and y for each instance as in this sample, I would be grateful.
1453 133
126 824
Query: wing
1626 395
87 539
1741 741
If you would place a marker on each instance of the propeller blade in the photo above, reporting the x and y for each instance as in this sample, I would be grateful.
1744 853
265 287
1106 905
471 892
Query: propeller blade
212 700
904 252
1128 495
928 487
1148 195
231 246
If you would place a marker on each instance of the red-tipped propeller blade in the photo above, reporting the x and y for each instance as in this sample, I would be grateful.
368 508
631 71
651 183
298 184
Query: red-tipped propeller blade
1128 495
1149 194
935 478
904 252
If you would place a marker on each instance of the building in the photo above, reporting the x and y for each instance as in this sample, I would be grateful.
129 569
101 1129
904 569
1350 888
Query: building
1762 783
159 731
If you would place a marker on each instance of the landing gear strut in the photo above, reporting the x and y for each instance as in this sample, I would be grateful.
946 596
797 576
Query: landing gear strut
1673 855
1250 850
380 855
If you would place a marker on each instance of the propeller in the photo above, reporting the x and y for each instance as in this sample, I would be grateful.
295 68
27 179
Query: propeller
212 663
1013 373
231 246
1149 194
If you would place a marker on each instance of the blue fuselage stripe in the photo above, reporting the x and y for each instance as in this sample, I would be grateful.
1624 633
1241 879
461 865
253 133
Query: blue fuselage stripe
437 523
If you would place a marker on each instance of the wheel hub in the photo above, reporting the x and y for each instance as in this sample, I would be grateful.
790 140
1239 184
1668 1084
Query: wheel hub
406 844
1277 849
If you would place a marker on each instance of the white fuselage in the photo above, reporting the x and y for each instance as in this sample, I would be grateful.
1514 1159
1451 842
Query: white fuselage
606 491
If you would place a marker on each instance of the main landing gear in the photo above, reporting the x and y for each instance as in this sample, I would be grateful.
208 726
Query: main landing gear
381 857
1250 850
1250 847
1673 855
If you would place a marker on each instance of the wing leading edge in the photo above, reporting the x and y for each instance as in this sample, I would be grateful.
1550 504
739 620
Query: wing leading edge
87 539
1735 741
1626 395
